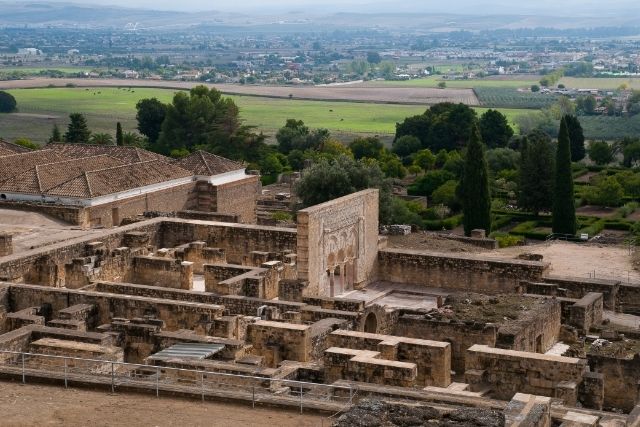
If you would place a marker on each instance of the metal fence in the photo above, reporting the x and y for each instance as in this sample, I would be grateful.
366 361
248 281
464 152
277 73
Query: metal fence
158 379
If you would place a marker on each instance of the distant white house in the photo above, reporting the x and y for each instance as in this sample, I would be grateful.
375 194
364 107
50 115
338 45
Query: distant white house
131 74
27 51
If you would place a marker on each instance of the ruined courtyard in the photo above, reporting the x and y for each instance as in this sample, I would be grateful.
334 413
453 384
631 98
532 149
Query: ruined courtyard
320 317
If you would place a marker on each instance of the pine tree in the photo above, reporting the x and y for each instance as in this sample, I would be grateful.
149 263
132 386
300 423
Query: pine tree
55 134
77 131
576 136
564 208
476 198
119 136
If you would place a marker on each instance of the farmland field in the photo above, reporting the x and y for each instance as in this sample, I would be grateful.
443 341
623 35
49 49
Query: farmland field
505 97
390 95
39 109
513 82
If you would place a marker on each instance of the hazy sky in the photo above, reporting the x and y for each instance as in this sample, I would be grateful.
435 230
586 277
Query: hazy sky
538 7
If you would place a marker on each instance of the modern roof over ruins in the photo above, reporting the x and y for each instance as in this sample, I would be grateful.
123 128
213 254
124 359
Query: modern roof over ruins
87 171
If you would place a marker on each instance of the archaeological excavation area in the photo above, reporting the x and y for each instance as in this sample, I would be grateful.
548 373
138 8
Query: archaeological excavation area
321 317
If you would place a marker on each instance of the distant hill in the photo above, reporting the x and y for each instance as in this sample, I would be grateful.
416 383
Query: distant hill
57 14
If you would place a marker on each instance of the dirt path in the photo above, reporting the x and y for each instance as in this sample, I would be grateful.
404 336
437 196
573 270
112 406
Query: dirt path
389 95
580 260
41 405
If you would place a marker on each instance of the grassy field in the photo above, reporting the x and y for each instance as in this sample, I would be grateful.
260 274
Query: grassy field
570 82
39 109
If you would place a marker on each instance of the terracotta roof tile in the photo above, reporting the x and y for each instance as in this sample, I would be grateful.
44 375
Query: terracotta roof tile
120 178
7 148
16 164
207 164
126 154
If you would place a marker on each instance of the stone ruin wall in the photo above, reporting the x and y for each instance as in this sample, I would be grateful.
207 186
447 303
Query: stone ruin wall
236 240
461 272
233 198
340 234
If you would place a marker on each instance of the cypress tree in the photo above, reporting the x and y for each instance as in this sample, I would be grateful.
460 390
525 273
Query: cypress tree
576 136
119 136
536 173
564 208
476 198
55 134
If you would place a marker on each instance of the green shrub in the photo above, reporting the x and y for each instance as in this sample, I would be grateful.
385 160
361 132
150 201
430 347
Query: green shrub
507 240
618 225
524 227
593 229
282 216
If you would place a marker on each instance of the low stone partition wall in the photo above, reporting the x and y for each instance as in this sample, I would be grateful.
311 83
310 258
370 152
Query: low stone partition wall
484 243
367 366
46 266
586 312
236 240
208 216
432 358
335 303
75 215
621 380
277 341
460 335
508 372
472 273
528 410
576 287
214 274
175 314
162 272
199 254
629 298
536 330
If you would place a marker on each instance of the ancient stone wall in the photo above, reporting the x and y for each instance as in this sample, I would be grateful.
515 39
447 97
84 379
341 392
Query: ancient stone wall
235 239
575 287
71 214
629 298
464 272
460 335
337 243
432 358
46 266
508 372
162 272
199 254
233 198
621 386
175 314
277 341
586 312
536 330
208 216
367 366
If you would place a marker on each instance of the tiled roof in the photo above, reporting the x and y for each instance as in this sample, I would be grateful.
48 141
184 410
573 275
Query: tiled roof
120 178
207 164
16 164
7 148
124 153
39 179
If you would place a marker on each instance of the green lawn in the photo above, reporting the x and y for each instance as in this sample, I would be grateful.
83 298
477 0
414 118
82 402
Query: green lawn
39 109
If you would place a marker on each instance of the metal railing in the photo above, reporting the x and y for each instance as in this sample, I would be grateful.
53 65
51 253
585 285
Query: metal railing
178 380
